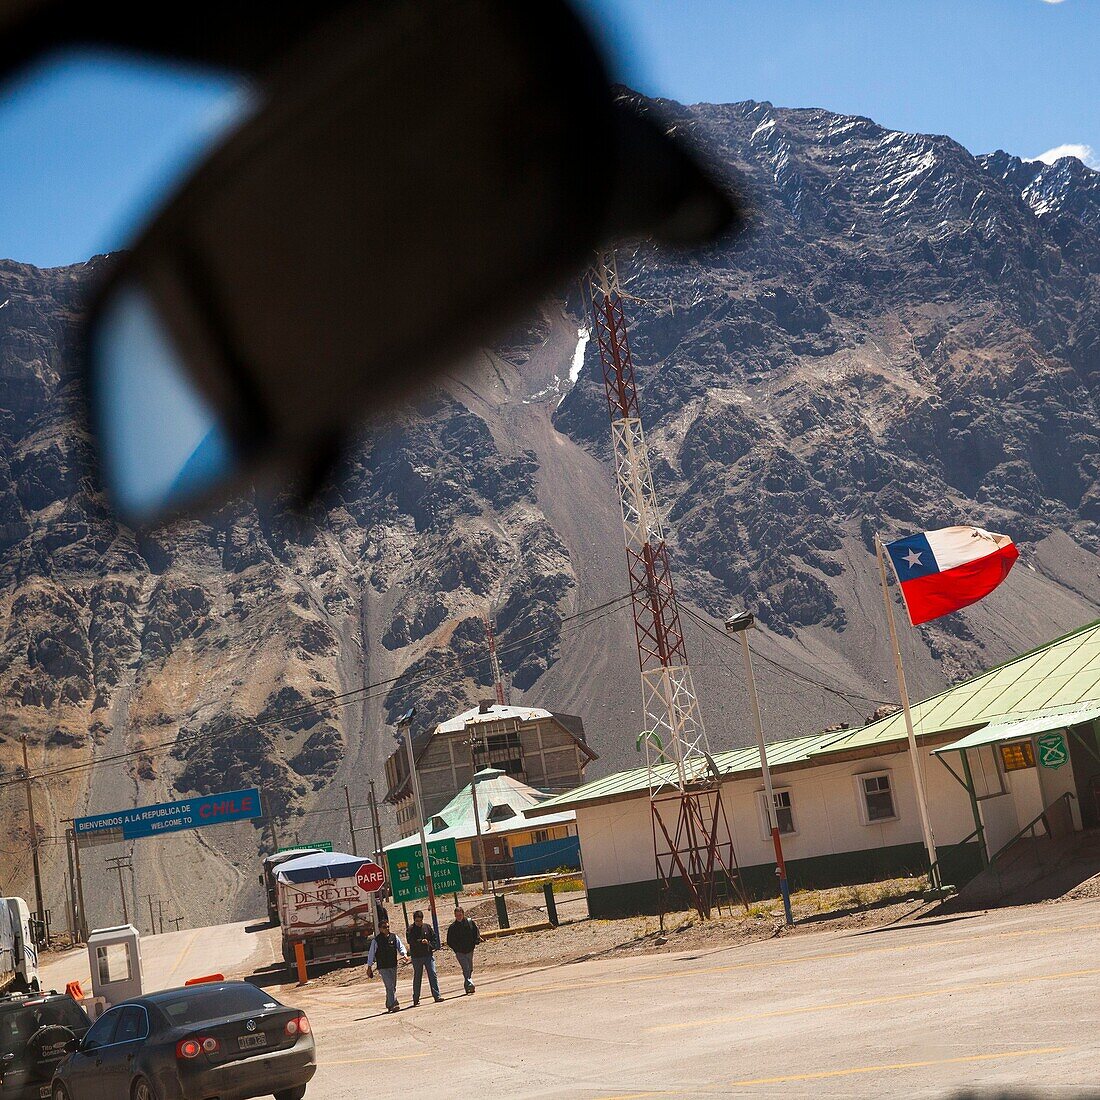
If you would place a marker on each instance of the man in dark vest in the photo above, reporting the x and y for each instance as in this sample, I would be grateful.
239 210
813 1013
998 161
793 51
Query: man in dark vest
385 949
462 937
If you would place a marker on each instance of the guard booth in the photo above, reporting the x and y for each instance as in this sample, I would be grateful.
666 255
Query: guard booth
1042 771
114 957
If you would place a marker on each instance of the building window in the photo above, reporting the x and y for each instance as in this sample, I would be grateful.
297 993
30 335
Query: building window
1017 756
784 812
876 798
540 836
113 963
499 750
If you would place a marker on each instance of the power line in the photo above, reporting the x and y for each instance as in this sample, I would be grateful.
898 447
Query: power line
846 696
582 619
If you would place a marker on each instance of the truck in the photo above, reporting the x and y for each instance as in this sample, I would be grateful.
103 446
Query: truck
18 953
267 877
327 904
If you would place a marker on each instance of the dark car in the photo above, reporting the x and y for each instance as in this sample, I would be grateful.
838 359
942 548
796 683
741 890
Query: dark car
36 1032
228 1040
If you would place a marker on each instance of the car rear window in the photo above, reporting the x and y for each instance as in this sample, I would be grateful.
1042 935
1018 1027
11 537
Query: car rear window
200 1005
20 1021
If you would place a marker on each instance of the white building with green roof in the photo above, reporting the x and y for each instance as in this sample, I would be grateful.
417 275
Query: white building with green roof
996 751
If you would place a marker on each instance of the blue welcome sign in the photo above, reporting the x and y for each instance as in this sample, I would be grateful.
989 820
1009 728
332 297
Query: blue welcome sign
173 817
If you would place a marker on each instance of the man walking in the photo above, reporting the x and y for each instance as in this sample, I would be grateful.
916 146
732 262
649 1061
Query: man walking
423 944
385 949
462 937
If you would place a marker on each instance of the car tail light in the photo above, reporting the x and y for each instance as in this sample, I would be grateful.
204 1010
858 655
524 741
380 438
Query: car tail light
192 1048
298 1026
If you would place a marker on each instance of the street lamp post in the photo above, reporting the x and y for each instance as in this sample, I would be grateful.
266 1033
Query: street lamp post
472 743
404 725
739 624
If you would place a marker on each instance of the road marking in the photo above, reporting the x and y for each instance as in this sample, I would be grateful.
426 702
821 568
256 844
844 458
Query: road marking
670 975
184 950
380 1058
887 999
894 1066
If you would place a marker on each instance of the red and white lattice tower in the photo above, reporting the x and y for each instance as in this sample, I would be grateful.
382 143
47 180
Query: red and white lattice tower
692 842
494 661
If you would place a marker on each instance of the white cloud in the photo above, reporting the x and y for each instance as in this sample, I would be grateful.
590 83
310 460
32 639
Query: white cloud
1084 153
1052 1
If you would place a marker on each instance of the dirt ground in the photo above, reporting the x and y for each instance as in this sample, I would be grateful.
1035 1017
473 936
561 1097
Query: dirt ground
579 938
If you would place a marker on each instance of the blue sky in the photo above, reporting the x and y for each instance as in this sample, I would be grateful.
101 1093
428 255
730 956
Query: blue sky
88 145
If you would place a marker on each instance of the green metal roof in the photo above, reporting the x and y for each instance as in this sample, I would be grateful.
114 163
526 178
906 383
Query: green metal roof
501 800
1053 681
733 762
1060 675
1024 727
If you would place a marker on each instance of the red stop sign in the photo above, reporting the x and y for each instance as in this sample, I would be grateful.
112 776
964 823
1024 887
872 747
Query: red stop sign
370 877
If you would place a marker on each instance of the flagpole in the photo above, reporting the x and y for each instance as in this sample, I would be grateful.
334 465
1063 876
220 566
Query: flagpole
934 877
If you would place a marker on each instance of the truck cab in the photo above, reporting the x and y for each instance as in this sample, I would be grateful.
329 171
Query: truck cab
18 951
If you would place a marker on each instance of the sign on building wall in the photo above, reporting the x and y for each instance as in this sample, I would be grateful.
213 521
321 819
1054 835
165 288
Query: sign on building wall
406 870
1053 750
320 845
171 817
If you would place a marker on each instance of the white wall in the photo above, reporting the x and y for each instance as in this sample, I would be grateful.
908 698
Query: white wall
617 838
616 842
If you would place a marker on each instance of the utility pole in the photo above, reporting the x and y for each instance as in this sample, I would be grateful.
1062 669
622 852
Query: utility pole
351 822
152 921
739 624
377 831
120 864
160 914
375 825
271 824
477 819
74 924
80 886
404 723
34 845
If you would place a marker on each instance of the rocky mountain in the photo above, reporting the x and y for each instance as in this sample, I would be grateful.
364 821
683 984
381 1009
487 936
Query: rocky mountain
906 336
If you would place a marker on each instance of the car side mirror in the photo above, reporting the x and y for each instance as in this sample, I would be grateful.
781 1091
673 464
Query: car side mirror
72 1045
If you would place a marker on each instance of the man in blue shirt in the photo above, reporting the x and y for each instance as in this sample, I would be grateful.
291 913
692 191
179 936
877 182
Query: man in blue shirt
385 949
423 944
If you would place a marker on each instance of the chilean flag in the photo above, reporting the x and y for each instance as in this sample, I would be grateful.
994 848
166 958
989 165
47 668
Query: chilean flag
941 571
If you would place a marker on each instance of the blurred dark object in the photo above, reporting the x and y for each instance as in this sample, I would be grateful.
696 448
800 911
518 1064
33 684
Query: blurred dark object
414 176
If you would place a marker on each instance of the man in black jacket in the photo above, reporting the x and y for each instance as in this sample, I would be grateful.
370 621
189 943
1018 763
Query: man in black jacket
423 944
462 937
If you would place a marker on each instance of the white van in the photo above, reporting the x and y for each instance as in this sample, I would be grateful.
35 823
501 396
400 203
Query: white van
18 953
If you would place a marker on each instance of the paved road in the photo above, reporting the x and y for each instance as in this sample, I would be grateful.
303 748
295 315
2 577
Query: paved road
172 958
988 1002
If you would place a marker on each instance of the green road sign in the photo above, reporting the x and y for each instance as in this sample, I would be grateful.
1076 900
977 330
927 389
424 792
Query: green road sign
1053 751
323 845
405 867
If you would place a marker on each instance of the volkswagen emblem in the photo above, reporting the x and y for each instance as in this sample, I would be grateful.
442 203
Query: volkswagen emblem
251 1025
